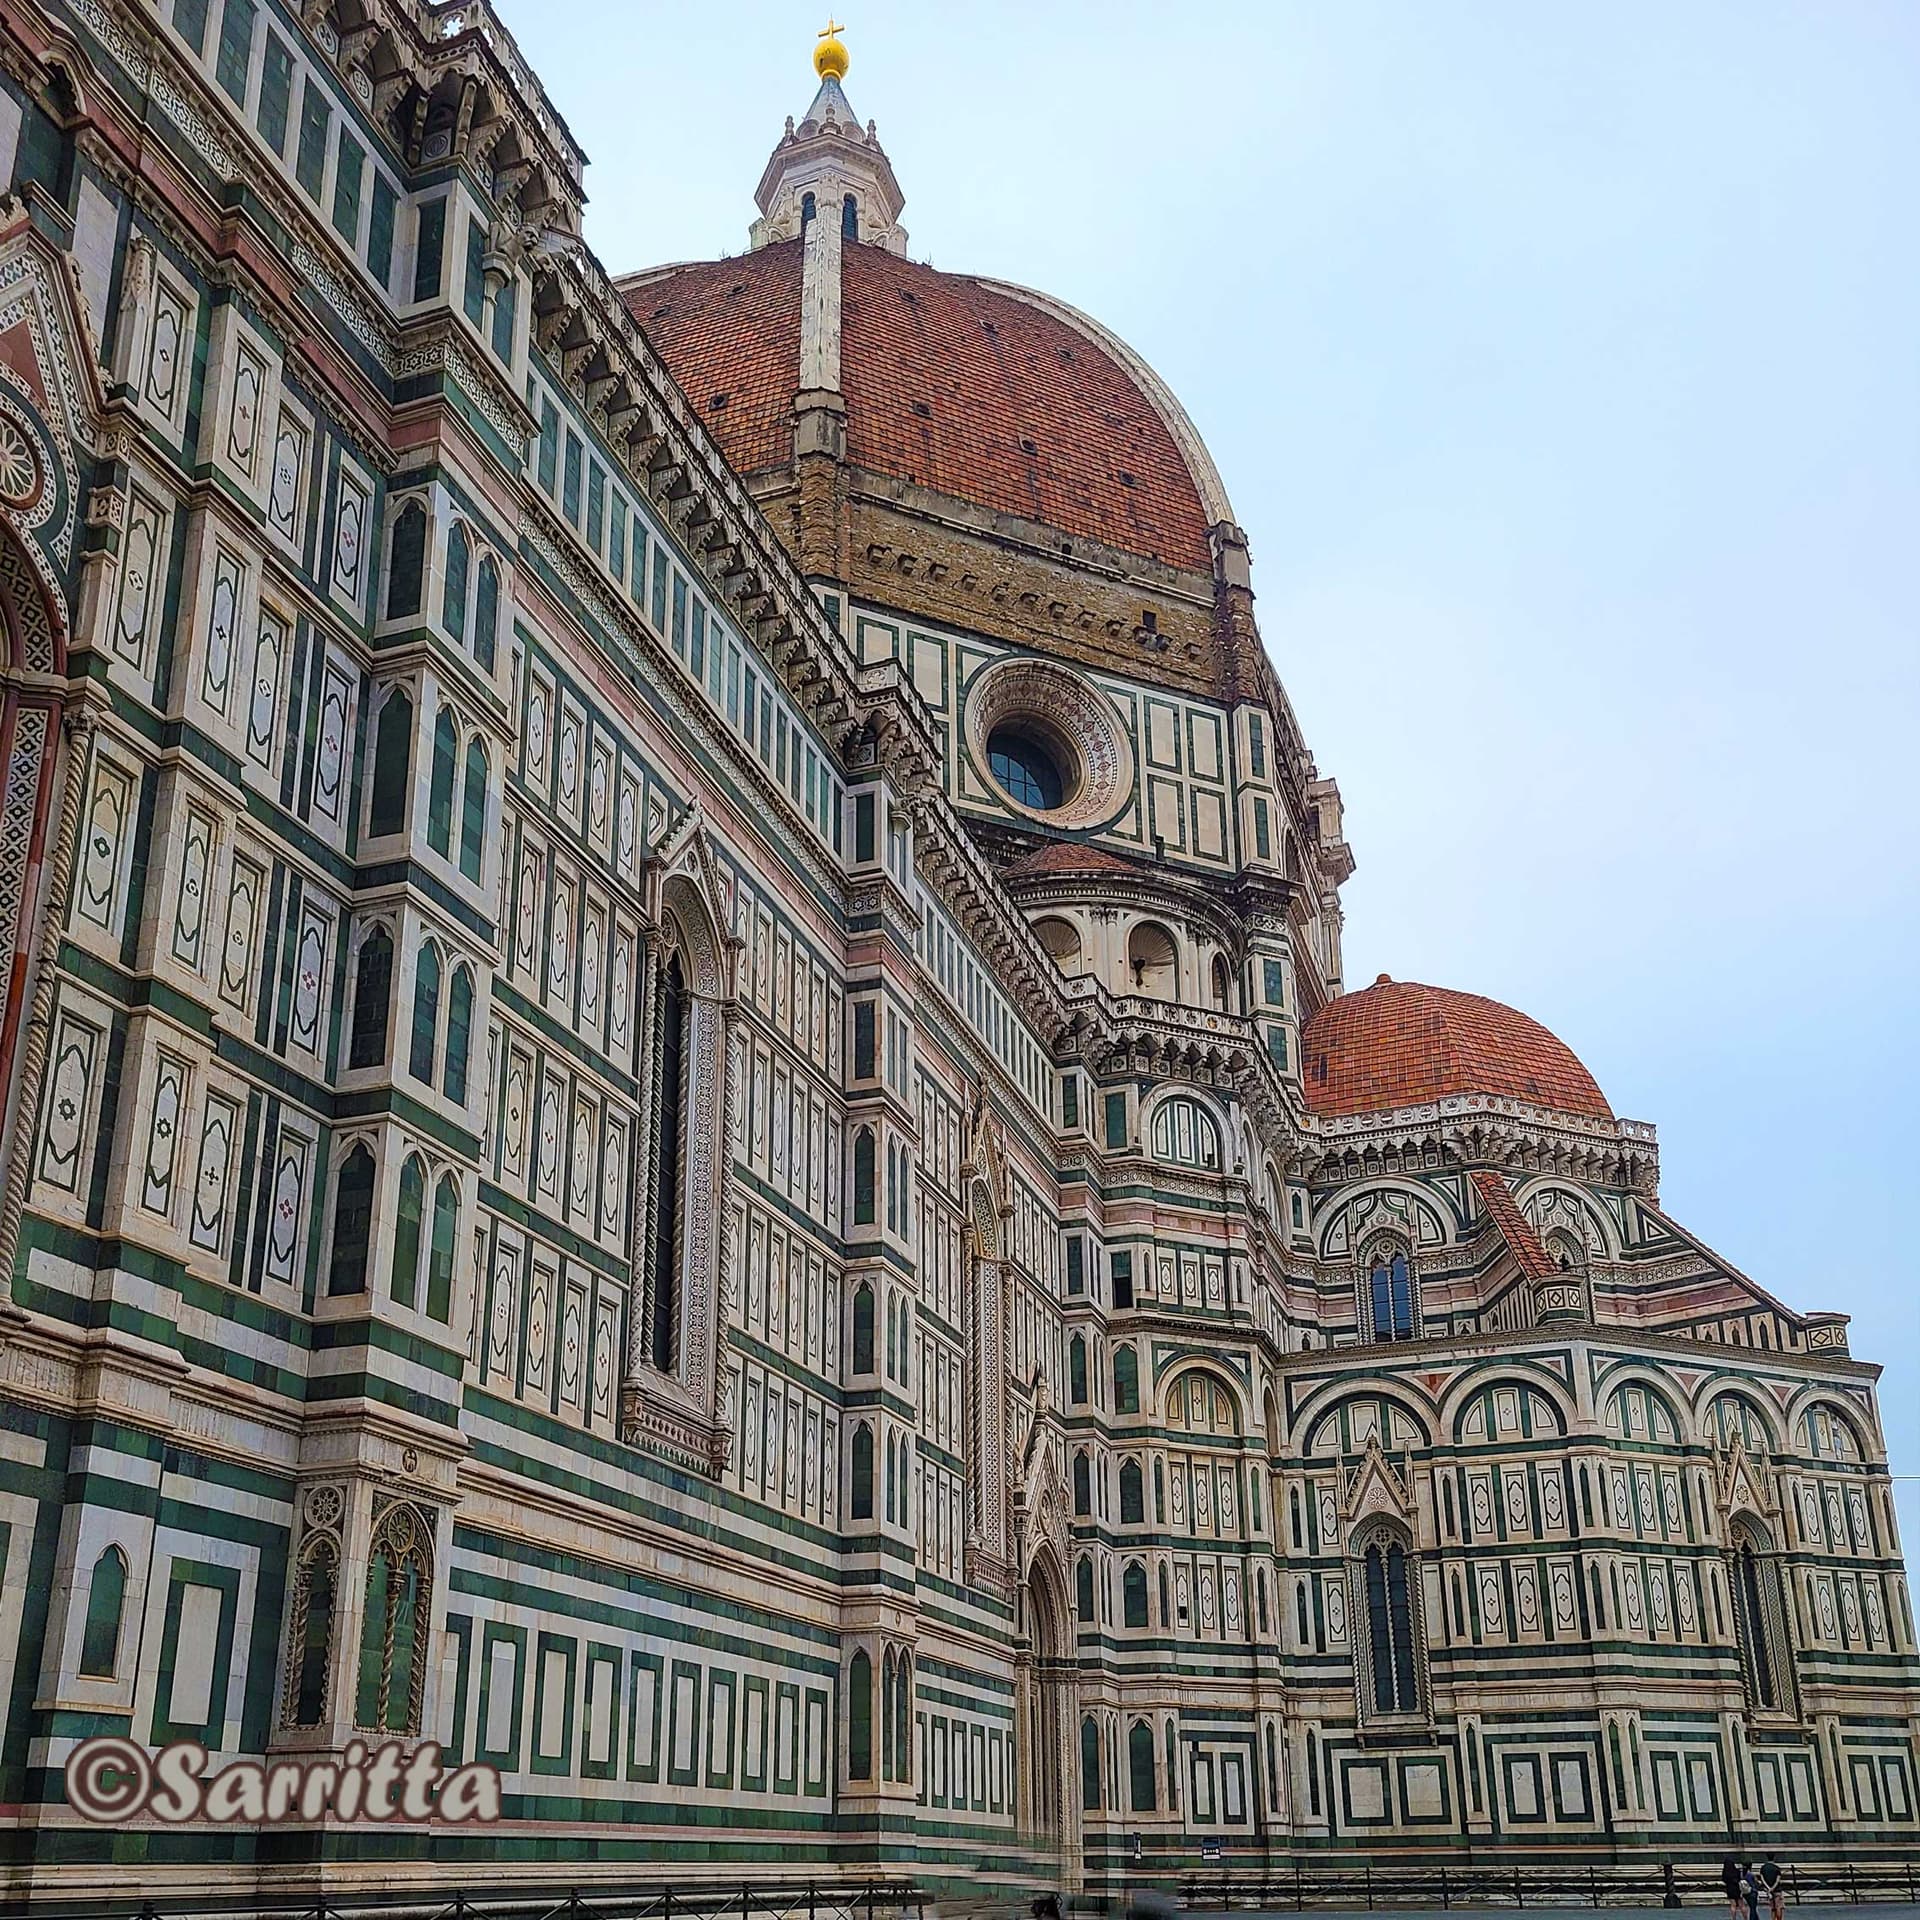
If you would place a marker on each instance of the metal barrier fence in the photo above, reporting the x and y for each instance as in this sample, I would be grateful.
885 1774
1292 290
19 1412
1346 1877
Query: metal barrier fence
1635 1884
709 1900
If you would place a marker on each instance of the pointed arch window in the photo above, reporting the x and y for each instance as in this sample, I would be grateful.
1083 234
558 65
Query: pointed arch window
310 1649
1140 1766
453 601
1391 1683
1764 1665
426 1012
1133 1494
352 1223
863 1328
1090 1764
1133 1594
446 1226
486 614
446 748
903 1721
862 1504
459 1035
1126 1380
372 990
406 566
863 1177
1077 1371
664 1327
1082 1486
392 759
850 218
860 1716
409 1222
1083 1592
886 1716
106 1603
473 810
807 209
1390 1294
393 1636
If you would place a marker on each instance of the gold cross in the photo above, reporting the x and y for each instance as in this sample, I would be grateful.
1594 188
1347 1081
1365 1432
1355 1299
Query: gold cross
832 27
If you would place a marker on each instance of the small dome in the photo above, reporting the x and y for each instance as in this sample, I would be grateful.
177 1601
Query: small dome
830 56
1400 1044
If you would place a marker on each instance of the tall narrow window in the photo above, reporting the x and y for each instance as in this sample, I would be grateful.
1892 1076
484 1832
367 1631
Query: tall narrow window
372 990
446 1225
863 1472
409 1218
486 614
1077 1371
1133 1594
407 566
1082 1486
1392 1657
426 1012
1133 1503
393 1636
1083 1592
392 759
664 1329
453 1078
309 1654
863 1328
106 1602
352 1223
1390 1296
860 1717
1126 1380
1140 1766
903 1721
863 1177
446 748
886 1716
473 810
1752 1583
806 211
850 218
1090 1764
453 597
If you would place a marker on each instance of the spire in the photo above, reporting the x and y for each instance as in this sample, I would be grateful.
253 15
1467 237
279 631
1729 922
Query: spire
829 167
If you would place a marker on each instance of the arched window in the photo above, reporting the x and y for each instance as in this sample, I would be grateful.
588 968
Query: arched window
393 1638
1126 1380
863 1328
806 211
1153 961
1222 982
1062 940
372 990
446 1223
1140 1766
486 614
1133 1594
459 1035
1392 1653
892 1477
1077 1371
453 601
1082 1485
352 1223
1083 1592
863 1177
886 1710
1260 1587
1133 1494
106 1602
860 1716
1184 1134
1166 1598
446 747
473 810
409 1219
406 566
849 218
1390 1294
903 1721
426 1012
310 1632
664 1326
1758 1612
863 1472
1090 1764
392 759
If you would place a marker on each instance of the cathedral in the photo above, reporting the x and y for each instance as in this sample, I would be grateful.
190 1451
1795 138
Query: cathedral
681 1110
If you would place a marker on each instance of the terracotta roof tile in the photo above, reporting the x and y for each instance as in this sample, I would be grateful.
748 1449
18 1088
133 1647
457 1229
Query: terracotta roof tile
950 385
1067 856
1513 1225
1400 1044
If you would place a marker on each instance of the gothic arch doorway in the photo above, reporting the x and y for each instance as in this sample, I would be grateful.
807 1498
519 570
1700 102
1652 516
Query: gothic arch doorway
1044 1670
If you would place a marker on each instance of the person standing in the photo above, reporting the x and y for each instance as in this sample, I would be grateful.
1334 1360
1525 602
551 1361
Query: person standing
1773 1884
1730 1880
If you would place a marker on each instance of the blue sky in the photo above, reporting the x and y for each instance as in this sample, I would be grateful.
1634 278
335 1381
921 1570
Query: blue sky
1560 363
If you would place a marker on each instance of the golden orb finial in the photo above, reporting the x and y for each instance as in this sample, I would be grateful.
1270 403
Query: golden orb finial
830 56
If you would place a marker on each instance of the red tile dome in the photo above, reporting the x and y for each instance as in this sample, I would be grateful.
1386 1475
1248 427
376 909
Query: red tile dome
958 385
1400 1044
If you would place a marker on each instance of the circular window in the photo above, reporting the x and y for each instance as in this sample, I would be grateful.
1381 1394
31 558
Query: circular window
1025 768
1049 742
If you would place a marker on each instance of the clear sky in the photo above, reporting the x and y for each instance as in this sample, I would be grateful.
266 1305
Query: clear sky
1560 362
